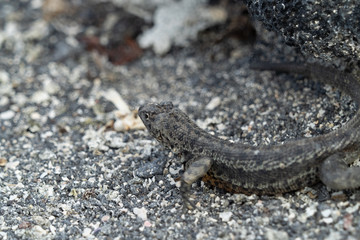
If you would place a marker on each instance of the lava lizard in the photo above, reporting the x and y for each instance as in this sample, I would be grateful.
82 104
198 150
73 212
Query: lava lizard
268 170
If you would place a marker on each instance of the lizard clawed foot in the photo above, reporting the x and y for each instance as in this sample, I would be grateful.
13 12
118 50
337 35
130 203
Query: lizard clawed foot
197 168
188 204
185 189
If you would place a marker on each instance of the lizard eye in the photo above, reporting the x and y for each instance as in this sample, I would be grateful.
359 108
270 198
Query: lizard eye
146 115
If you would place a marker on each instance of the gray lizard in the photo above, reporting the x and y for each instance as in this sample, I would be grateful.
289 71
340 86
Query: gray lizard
286 167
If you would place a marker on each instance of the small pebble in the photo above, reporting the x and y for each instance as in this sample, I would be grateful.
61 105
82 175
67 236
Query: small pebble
225 216
3 162
214 103
141 213
7 115
87 232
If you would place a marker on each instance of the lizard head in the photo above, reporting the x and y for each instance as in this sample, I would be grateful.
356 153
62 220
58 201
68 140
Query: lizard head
152 115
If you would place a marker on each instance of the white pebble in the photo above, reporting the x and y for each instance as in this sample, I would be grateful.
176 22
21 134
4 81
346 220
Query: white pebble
214 103
47 155
7 115
40 96
326 213
328 220
272 234
86 232
141 213
225 216
39 231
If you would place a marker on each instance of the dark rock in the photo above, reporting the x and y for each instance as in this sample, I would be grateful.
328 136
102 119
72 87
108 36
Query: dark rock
328 30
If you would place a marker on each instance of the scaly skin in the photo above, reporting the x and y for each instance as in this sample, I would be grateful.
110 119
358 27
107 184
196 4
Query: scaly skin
275 169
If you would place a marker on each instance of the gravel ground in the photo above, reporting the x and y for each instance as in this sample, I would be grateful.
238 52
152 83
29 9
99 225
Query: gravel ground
70 166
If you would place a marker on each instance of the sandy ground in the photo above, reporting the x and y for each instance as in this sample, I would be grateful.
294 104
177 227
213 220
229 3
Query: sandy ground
72 148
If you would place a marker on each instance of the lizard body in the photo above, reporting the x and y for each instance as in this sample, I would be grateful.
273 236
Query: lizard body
269 170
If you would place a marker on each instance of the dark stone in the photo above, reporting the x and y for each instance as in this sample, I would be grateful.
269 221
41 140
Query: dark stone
328 30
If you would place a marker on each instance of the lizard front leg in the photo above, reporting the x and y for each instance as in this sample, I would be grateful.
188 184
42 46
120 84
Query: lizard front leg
336 174
197 168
